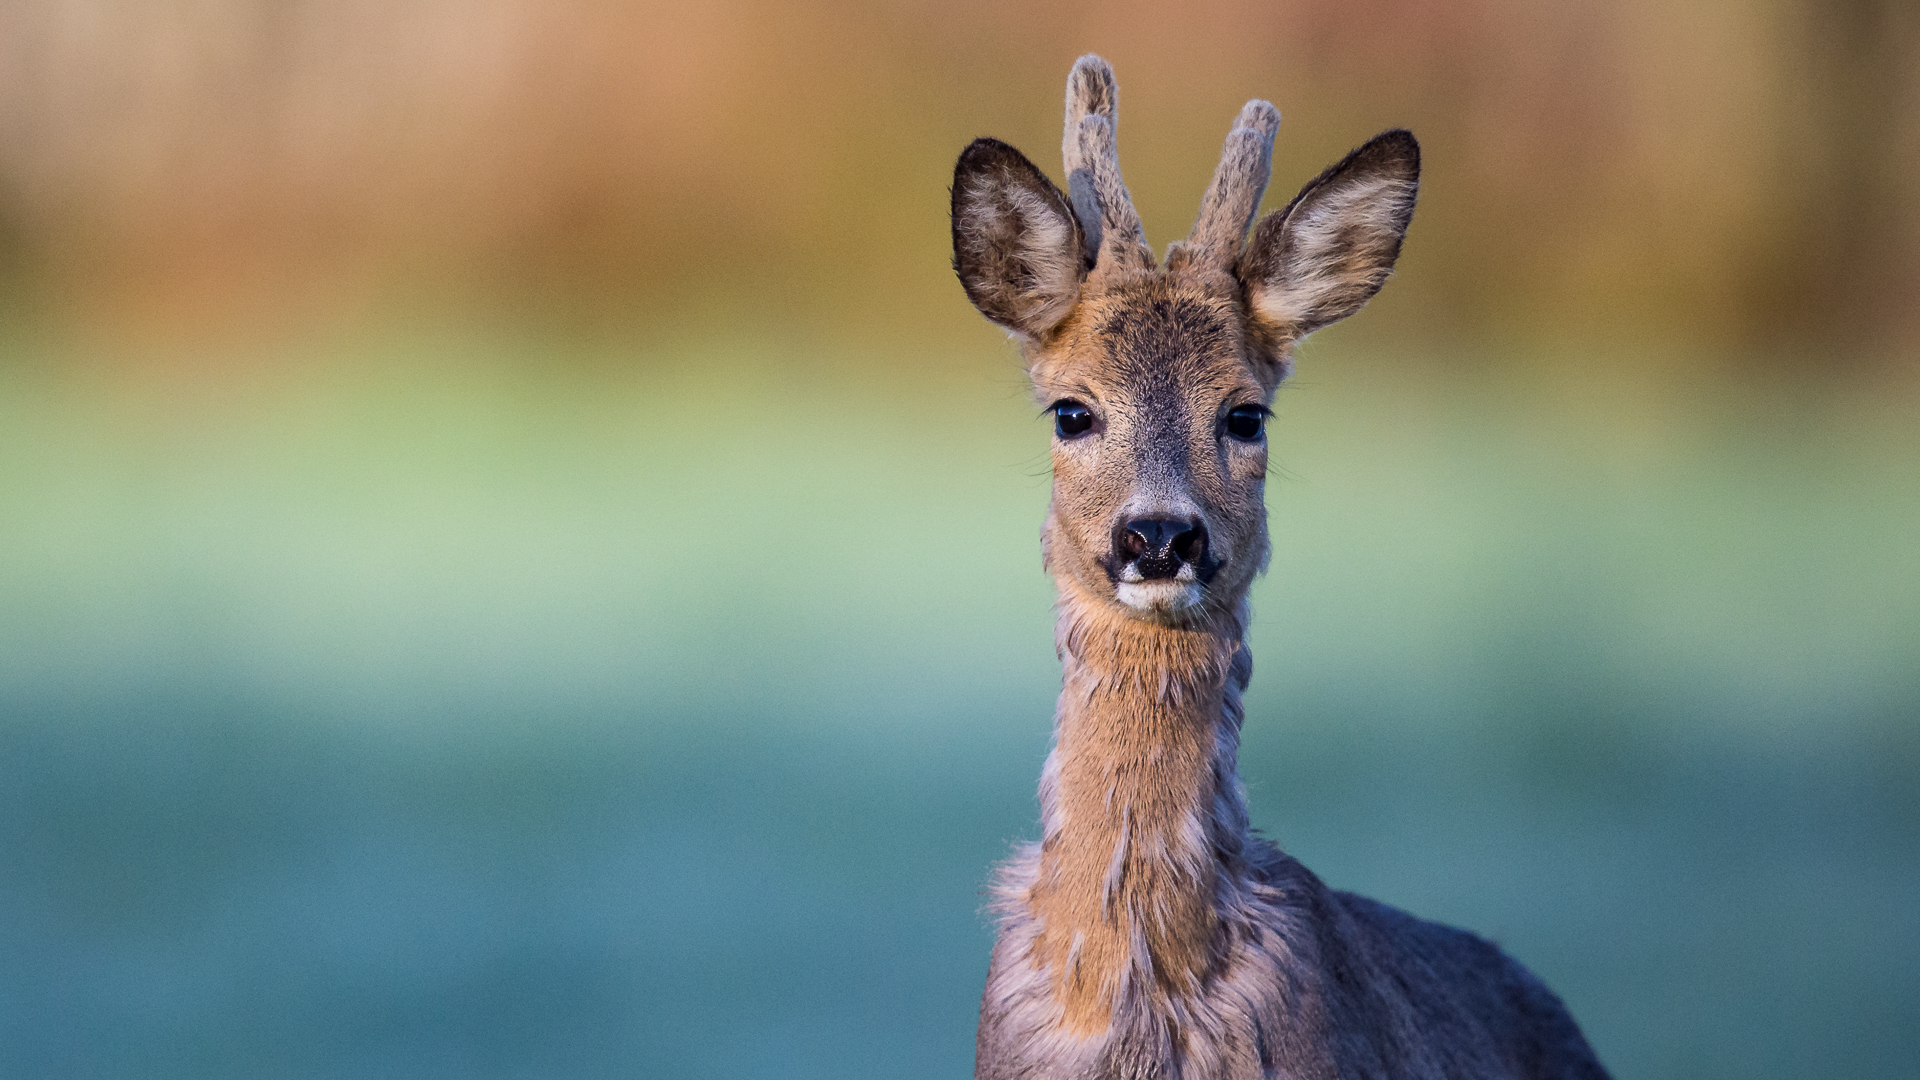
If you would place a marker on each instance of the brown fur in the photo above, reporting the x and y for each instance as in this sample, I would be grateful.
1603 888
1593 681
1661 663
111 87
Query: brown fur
1150 933
1136 754
1151 348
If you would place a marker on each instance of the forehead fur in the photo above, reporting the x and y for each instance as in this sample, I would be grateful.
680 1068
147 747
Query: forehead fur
1151 324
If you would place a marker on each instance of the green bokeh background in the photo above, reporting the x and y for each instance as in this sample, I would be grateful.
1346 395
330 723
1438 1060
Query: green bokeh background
537 574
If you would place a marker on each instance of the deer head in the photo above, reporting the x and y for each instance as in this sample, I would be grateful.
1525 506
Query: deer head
1160 378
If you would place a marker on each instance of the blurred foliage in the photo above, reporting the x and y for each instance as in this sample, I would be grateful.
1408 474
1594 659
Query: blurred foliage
1726 173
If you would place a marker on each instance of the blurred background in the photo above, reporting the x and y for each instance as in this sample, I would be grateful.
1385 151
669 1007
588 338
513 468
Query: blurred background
517 559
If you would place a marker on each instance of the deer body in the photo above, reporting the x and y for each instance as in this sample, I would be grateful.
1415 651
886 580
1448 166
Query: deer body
1150 933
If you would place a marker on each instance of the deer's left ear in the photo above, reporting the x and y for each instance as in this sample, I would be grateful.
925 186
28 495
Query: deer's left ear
1017 246
1330 250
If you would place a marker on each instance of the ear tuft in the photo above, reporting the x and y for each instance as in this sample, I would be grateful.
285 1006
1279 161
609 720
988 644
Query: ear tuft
1324 256
1017 247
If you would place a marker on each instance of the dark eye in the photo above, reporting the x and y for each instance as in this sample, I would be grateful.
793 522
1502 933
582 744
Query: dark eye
1070 418
1245 421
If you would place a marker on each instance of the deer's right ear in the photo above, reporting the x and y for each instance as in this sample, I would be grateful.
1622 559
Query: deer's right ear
1327 253
1017 246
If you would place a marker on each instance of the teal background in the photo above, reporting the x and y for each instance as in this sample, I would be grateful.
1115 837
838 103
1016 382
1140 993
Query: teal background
498 704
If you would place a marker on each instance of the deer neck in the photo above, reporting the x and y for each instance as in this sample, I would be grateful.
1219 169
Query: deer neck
1141 807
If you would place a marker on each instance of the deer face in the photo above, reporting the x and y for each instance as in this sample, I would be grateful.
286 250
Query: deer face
1159 447
1159 377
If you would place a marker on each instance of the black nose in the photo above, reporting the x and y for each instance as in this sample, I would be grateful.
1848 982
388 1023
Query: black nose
1157 547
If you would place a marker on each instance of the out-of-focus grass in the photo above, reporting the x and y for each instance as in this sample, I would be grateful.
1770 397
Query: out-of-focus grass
439 520
472 706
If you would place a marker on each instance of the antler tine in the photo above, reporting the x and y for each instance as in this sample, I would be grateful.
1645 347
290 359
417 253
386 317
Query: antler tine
1100 199
1228 207
1091 91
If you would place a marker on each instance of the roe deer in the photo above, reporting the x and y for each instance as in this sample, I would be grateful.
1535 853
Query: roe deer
1150 933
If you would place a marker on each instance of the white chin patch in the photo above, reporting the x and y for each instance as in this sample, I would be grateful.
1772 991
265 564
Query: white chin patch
1158 595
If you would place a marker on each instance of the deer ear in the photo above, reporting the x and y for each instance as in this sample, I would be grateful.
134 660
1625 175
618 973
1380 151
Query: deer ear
1017 246
1330 250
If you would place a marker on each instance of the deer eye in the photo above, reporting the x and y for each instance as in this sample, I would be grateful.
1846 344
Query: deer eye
1070 419
1245 422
